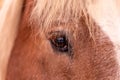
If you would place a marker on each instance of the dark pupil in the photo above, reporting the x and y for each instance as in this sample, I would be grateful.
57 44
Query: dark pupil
60 43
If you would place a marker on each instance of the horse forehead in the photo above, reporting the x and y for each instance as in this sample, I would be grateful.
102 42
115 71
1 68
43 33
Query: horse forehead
107 15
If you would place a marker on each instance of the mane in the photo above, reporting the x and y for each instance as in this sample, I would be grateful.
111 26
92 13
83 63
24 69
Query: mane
48 12
10 16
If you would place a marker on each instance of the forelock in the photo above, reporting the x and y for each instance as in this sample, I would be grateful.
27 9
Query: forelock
47 12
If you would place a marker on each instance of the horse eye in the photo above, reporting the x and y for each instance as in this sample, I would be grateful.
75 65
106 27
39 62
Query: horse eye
60 42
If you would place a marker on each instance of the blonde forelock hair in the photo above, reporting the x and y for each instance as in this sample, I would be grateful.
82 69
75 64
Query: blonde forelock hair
48 12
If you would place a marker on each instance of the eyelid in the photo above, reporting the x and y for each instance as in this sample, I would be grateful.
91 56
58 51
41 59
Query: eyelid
54 34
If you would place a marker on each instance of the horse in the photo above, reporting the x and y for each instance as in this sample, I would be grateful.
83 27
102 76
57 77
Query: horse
60 40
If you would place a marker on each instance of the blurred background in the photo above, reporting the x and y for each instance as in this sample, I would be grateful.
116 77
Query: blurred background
1 2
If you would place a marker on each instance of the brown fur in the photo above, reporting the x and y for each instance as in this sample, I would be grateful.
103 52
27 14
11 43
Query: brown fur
33 58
